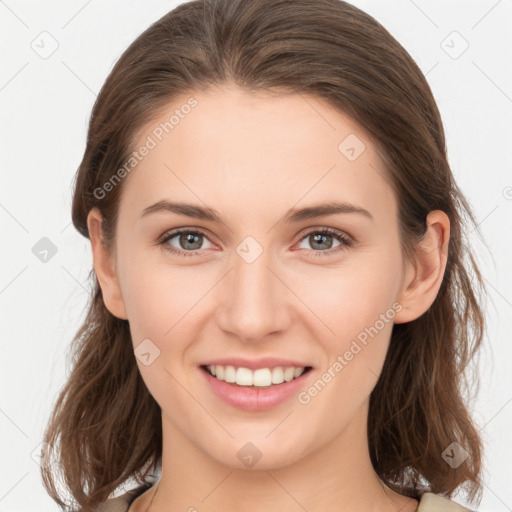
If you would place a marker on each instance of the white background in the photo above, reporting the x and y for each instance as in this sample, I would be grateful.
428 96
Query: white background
44 110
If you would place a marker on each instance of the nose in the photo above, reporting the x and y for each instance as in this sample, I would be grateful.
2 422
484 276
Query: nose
254 300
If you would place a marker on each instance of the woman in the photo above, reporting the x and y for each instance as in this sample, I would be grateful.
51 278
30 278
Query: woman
307 350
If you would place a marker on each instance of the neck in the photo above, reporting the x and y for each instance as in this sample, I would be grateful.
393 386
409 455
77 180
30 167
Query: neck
339 476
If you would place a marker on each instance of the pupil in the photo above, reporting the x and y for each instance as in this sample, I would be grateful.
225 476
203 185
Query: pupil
189 238
319 236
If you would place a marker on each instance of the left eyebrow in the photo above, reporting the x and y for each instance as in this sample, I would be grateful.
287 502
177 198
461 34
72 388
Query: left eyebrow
319 210
293 215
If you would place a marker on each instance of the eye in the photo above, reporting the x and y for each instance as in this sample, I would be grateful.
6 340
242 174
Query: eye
322 241
186 239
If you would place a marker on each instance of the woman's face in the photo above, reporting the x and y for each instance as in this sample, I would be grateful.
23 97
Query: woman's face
260 287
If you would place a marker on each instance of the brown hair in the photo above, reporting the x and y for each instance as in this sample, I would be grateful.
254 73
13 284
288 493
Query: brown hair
106 426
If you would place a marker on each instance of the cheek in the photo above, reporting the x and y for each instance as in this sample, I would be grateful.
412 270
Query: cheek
161 324
353 319
354 359
159 299
150 313
348 299
163 306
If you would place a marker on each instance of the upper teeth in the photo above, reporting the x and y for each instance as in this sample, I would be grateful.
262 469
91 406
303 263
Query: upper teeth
261 377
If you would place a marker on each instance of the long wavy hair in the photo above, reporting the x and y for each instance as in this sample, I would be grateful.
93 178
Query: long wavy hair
105 427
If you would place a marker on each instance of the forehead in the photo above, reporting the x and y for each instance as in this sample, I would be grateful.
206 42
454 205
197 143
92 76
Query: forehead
230 147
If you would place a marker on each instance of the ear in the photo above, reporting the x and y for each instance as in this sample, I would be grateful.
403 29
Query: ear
423 277
104 266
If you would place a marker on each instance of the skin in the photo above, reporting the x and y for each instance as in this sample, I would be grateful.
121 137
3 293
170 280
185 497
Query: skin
252 157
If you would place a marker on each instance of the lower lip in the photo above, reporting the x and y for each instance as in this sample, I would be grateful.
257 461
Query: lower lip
254 399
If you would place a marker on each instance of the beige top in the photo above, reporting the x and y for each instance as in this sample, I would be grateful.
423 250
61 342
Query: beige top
429 502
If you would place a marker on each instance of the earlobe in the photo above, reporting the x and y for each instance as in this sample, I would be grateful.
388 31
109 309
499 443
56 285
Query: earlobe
104 267
423 277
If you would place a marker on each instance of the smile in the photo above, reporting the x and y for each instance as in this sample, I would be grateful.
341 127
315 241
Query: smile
257 389
261 377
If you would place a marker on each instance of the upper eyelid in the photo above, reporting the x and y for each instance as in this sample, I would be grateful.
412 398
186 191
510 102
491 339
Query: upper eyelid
178 231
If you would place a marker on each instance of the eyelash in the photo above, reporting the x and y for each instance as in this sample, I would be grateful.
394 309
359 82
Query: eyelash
344 239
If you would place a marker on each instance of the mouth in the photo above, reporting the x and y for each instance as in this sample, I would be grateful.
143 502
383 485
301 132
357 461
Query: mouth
259 378
255 384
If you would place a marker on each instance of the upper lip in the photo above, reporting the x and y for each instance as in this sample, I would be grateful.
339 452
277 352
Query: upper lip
254 364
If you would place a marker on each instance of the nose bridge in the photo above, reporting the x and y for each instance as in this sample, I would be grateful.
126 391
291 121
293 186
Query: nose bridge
253 304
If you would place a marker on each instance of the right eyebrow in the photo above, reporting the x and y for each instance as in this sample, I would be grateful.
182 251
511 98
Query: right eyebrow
186 209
